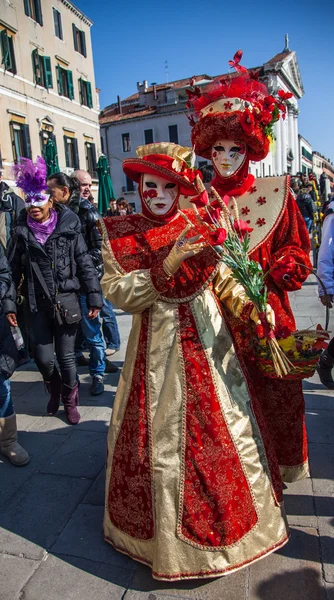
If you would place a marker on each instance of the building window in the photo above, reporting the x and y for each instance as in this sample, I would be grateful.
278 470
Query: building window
46 134
57 23
79 39
130 186
173 134
71 152
42 69
7 51
65 82
85 93
33 9
91 159
148 135
126 142
20 140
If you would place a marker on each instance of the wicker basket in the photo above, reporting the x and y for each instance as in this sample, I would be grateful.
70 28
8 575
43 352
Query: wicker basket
309 349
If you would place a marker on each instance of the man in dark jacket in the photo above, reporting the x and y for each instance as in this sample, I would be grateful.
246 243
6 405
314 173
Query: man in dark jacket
10 207
8 360
306 207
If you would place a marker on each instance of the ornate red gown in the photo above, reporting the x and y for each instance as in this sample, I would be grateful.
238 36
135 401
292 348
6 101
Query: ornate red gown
193 487
278 231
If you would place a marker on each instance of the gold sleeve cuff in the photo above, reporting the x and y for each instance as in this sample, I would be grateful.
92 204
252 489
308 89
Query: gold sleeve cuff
132 292
229 292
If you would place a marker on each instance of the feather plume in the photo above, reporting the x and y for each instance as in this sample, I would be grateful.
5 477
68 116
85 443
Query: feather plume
30 176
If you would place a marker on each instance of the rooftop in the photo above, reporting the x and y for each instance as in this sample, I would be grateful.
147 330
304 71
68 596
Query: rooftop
133 107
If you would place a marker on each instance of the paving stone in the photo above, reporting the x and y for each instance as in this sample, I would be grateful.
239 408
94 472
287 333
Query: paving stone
299 503
56 424
292 572
322 464
329 591
320 426
144 587
319 400
97 418
16 545
39 447
42 507
326 533
32 401
14 573
81 455
302 322
96 492
67 578
82 537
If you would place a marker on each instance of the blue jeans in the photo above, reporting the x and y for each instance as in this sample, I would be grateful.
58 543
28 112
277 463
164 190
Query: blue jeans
109 326
6 405
91 329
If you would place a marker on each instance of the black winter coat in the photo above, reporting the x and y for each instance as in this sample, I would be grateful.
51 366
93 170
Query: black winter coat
89 217
8 351
63 260
305 204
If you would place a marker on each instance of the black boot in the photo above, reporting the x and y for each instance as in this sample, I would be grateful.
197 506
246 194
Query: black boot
325 366
54 388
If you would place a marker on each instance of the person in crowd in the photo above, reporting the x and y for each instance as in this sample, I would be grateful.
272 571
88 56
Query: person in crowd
326 273
10 207
187 469
67 190
112 210
85 181
306 207
295 185
122 207
49 251
8 361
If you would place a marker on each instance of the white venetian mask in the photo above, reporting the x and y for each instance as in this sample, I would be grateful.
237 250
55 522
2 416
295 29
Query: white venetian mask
158 194
227 156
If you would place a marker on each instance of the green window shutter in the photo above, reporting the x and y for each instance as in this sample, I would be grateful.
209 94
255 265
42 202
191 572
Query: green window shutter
26 141
38 10
75 40
36 66
59 81
5 50
75 153
83 43
70 85
93 157
80 82
89 94
26 7
47 72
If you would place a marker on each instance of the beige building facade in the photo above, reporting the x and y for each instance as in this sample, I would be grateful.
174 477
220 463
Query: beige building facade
47 84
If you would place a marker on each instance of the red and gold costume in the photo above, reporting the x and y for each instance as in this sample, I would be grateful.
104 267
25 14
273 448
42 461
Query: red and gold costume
239 108
193 489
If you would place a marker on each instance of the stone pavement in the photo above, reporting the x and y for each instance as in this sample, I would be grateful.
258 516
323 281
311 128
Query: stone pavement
51 546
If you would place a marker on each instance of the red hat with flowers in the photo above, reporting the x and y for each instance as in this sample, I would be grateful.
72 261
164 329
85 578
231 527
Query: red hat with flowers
167 160
236 107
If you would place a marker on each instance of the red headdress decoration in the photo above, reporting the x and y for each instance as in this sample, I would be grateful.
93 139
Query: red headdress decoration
236 107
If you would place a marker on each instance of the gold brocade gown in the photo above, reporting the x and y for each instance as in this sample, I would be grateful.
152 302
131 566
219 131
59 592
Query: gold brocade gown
192 490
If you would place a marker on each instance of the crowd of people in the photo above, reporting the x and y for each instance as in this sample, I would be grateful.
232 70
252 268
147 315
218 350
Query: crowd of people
51 267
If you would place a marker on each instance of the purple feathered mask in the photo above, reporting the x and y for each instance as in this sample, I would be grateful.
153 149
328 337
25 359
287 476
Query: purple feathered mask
31 178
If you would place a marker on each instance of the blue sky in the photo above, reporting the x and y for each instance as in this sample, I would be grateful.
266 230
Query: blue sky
132 40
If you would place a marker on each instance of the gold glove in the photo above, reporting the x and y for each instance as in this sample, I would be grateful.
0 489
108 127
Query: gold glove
182 249
270 316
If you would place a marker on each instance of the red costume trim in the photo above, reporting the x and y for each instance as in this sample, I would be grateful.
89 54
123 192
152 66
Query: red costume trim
130 503
210 518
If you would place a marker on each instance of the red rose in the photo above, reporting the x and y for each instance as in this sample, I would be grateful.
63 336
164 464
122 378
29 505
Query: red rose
269 103
219 236
200 200
150 194
247 121
242 228
284 95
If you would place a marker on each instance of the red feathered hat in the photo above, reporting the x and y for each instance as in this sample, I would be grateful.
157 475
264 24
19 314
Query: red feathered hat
167 160
235 107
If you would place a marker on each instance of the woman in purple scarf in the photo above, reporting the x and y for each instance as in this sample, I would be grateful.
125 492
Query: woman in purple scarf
48 250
